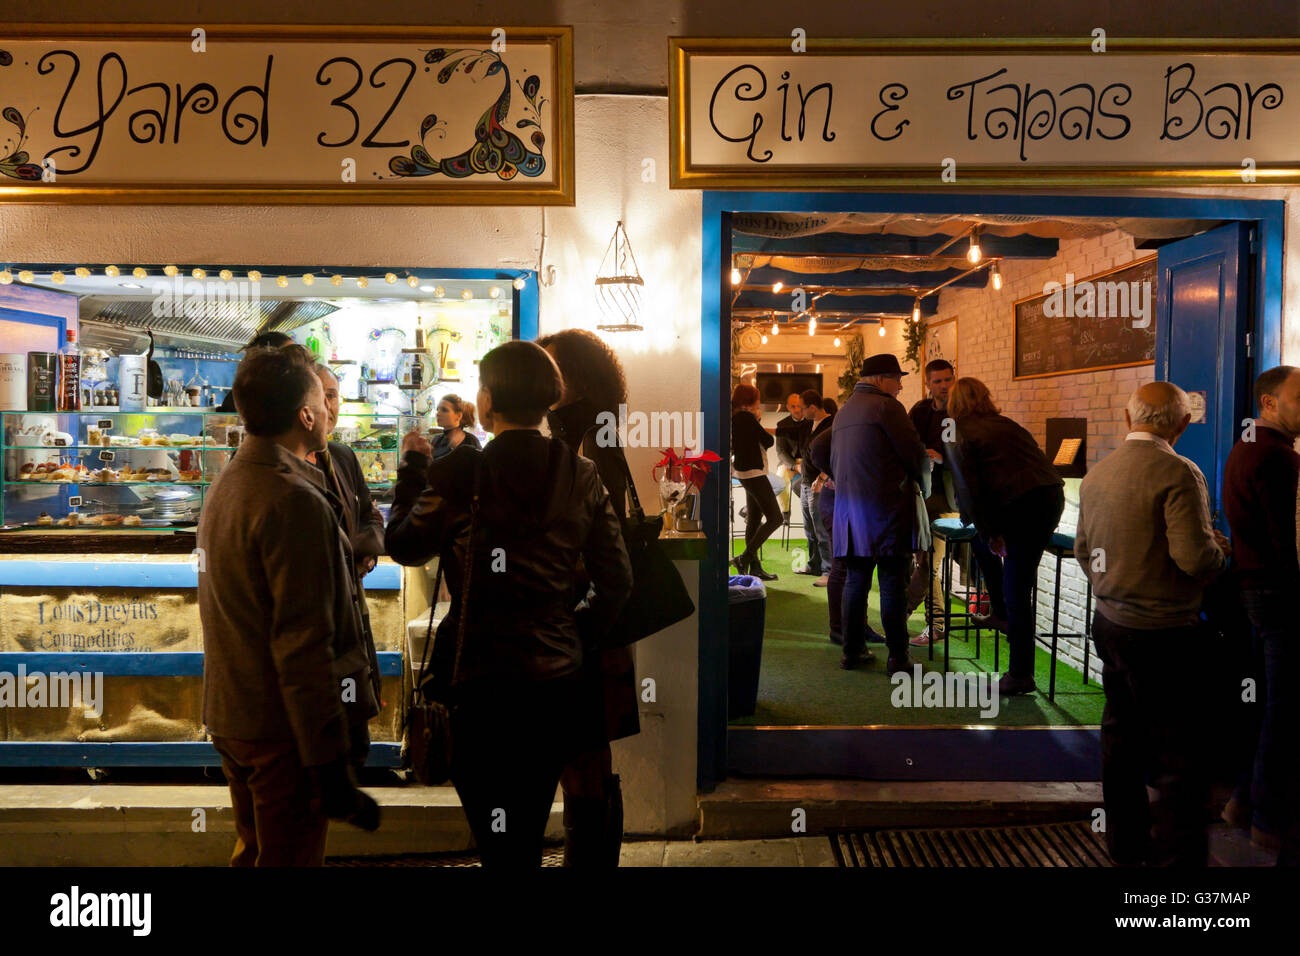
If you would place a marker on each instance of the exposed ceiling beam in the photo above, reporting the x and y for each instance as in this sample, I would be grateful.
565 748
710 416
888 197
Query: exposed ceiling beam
866 279
852 244
832 302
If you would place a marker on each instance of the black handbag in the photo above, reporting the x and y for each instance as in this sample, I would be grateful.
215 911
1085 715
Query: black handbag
659 598
428 745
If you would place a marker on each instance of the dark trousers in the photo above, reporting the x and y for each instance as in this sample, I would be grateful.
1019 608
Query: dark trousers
1151 731
892 571
277 807
510 745
1011 580
762 512
1275 780
837 573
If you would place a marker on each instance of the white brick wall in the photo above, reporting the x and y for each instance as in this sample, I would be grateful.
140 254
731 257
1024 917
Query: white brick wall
984 351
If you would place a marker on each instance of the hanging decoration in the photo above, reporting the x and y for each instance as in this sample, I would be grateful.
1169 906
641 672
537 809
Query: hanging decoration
618 285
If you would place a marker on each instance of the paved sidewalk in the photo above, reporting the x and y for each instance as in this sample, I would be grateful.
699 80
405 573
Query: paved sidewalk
792 851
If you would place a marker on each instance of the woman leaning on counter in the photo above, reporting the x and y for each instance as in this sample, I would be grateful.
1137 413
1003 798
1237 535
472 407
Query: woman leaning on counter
519 714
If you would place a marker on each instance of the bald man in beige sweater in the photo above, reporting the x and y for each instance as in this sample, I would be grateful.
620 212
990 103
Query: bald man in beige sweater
1145 541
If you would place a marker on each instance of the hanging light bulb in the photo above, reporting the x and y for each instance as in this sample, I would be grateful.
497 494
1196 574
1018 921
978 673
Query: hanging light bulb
777 287
168 271
139 272
735 277
466 294
336 280
494 292
974 255
916 311
390 277
812 325
196 272
776 329
308 278
439 292
6 277
112 271
26 275
765 340
519 283
57 278
81 272
362 282
837 341
997 278
882 328
412 281
254 275
282 281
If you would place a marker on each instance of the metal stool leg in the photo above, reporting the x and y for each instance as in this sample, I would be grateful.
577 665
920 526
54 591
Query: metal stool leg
1056 628
948 600
929 595
1087 627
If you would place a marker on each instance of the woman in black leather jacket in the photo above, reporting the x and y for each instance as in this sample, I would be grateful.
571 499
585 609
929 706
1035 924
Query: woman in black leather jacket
1008 489
594 387
544 516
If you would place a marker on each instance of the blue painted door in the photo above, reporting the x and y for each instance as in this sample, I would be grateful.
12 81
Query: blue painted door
1203 308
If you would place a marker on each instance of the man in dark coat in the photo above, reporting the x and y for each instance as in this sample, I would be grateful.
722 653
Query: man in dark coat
364 527
878 460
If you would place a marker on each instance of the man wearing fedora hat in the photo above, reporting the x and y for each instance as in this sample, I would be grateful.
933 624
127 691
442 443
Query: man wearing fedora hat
878 460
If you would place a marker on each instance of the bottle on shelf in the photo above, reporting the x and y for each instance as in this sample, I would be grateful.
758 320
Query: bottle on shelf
69 395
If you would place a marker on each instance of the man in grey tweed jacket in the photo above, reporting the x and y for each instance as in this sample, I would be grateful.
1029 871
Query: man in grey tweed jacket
1146 543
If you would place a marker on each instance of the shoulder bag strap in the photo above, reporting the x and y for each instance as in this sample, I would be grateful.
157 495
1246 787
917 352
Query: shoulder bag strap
634 503
467 572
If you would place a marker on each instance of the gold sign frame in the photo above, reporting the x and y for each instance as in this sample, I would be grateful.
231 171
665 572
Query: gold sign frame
684 175
559 192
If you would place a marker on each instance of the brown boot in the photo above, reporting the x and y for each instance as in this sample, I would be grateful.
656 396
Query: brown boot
584 831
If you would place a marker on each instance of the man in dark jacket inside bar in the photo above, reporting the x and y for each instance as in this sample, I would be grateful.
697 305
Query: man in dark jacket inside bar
1259 500
364 527
282 639
877 459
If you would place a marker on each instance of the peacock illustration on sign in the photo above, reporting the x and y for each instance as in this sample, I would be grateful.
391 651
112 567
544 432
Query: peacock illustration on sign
15 161
496 150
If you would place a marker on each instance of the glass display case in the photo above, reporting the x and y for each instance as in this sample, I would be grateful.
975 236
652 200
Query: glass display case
150 470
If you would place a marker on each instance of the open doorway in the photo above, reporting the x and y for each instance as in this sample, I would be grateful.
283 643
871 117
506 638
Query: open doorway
865 273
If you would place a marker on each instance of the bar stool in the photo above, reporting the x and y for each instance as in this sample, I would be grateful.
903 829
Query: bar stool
952 531
1061 547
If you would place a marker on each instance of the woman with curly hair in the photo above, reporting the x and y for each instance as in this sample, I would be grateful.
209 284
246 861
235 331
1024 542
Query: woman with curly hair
593 799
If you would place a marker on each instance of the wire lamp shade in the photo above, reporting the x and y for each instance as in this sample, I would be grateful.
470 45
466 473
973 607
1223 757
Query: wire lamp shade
618 286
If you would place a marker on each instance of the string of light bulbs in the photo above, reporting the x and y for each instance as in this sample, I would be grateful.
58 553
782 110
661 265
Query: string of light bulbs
59 276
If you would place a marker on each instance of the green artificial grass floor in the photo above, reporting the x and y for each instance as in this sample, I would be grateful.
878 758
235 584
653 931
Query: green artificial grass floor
801 682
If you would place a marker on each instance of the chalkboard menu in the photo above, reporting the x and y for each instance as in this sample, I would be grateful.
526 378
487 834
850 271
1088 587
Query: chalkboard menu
1086 325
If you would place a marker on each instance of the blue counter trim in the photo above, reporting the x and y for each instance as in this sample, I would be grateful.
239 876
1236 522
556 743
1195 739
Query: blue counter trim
132 754
126 664
153 575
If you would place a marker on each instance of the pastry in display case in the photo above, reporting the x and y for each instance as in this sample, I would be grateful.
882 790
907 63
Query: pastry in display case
110 469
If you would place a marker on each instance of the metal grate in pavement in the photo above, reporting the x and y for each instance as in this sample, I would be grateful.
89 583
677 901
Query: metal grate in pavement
551 856
1048 845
